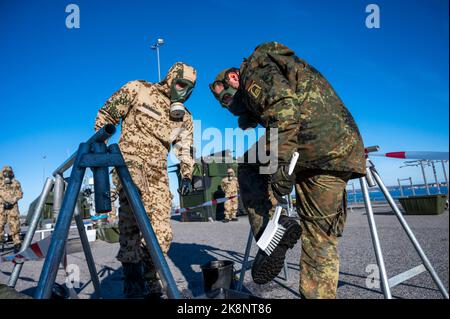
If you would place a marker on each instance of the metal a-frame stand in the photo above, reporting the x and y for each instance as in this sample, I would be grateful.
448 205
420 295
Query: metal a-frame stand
58 193
373 179
370 180
96 155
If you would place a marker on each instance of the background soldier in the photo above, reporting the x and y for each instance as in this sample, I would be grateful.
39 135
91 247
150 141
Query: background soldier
10 193
230 186
277 89
153 118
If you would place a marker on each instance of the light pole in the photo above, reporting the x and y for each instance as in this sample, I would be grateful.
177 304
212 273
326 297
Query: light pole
156 46
43 167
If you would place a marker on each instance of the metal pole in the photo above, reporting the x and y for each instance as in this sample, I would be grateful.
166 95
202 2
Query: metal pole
290 208
61 231
87 252
375 240
401 189
58 193
102 135
424 177
435 177
354 192
445 175
37 213
412 186
245 261
145 226
159 67
43 168
410 234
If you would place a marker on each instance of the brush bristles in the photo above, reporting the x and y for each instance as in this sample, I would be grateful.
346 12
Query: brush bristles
275 239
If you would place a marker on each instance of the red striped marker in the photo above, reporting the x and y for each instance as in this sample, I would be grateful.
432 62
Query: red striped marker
208 203
438 156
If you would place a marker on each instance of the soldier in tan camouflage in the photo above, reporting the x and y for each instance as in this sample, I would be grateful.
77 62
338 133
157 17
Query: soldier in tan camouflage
230 187
10 194
153 118
277 89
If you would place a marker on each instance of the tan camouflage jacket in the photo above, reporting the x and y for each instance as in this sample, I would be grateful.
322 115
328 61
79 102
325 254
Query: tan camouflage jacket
230 187
282 91
148 131
10 193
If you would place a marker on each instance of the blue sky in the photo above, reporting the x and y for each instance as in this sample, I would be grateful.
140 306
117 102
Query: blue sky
53 80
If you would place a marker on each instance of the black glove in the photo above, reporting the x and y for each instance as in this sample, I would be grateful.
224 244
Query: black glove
185 186
281 182
7 205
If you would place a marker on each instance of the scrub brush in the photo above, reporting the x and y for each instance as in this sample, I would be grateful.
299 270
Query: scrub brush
274 231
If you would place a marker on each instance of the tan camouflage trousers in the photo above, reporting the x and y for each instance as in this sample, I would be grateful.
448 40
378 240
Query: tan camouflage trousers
10 216
153 185
231 207
322 211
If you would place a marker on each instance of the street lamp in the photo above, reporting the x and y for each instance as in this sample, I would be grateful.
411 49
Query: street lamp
43 167
159 42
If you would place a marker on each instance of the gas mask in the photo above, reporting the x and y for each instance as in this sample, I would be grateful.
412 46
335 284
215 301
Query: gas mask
7 176
229 97
178 86
230 174
180 91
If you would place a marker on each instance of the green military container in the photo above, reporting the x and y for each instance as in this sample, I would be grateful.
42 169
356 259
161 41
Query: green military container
424 205
207 177
47 213
108 233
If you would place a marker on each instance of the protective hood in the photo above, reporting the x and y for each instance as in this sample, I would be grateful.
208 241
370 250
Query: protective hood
179 70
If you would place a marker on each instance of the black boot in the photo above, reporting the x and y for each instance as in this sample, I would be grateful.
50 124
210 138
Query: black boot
151 278
266 267
134 285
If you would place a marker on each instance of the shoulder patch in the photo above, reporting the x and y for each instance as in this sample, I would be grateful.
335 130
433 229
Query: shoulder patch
254 90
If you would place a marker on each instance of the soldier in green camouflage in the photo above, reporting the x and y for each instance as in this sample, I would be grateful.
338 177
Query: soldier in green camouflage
277 89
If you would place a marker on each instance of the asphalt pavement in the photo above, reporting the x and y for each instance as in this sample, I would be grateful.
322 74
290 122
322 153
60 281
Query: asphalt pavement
197 243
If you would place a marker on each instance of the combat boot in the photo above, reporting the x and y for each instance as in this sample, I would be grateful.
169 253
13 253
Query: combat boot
152 281
266 267
155 290
134 285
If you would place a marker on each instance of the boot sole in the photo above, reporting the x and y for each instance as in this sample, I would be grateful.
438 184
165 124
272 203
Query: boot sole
266 268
